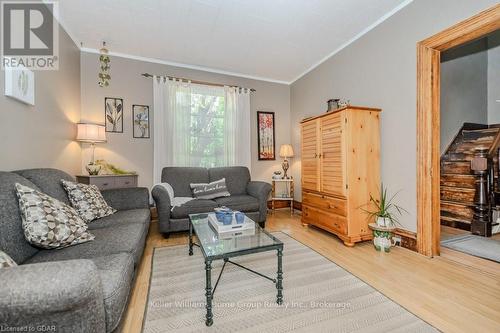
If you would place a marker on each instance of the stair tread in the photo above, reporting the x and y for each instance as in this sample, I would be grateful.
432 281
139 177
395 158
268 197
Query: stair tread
482 130
466 175
458 203
449 218
459 188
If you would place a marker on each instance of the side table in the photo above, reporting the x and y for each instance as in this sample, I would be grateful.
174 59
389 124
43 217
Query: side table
286 196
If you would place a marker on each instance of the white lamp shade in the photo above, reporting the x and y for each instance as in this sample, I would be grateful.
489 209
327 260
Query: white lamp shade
286 151
90 133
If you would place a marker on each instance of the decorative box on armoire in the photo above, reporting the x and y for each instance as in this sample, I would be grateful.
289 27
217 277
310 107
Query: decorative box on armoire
340 169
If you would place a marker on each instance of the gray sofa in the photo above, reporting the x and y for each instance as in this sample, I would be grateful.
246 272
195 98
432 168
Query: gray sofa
82 288
249 197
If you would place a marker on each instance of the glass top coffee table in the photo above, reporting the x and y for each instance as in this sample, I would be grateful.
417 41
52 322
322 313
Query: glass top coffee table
227 246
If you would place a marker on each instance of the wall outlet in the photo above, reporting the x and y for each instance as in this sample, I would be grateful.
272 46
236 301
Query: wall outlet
396 240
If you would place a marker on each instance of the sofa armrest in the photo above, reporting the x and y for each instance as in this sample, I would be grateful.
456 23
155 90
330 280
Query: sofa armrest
260 190
62 296
127 198
163 206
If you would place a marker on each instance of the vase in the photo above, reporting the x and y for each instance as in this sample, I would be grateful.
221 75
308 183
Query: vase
382 240
93 169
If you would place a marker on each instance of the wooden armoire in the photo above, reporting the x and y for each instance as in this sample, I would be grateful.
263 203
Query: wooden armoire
340 169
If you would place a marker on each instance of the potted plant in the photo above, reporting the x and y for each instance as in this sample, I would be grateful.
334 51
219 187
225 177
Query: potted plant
385 212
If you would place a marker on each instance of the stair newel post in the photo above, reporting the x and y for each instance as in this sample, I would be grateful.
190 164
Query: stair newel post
481 222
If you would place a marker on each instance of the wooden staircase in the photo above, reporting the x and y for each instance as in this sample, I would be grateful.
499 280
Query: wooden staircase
457 180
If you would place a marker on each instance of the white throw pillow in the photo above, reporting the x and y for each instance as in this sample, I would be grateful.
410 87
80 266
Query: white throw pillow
49 223
211 190
6 261
87 200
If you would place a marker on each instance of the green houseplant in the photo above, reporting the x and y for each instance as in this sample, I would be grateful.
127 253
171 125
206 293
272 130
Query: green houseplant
385 212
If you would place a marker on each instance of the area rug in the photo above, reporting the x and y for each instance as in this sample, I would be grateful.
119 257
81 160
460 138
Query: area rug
475 245
319 296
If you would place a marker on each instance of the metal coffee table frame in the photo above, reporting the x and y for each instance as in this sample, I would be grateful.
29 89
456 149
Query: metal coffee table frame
209 292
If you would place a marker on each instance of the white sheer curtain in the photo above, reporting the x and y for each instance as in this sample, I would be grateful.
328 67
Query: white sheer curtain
237 121
199 125
172 109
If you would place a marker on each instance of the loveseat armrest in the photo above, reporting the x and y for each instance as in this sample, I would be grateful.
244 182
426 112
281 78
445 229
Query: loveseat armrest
163 206
127 198
60 296
260 190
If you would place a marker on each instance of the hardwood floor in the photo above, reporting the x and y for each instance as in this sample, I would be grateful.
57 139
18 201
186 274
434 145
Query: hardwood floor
455 292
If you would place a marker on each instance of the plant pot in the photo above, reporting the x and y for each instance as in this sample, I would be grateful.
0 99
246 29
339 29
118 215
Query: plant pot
382 240
383 221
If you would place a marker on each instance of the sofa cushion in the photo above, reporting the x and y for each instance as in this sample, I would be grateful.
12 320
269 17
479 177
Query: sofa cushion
116 273
87 200
237 178
128 238
122 217
6 260
243 203
49 223
12 239
211 190
48 181
194 207
181 177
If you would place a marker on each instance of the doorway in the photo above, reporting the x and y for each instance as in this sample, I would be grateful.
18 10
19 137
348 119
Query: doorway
428 120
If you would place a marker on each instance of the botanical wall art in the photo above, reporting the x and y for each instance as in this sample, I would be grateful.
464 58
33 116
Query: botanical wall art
140 116
114 114
265 135
20 84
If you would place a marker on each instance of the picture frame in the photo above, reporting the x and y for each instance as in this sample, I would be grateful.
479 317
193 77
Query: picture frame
140 121
113 114
20 84
266 141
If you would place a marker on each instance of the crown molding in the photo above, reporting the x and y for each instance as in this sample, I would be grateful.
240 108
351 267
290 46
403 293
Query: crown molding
355 38
181 65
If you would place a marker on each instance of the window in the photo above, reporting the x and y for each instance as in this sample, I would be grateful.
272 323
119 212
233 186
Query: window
206 144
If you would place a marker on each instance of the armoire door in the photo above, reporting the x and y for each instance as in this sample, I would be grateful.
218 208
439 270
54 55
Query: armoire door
332 156
310 155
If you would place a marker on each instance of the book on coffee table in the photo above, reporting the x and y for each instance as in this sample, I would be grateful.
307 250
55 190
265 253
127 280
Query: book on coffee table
220 228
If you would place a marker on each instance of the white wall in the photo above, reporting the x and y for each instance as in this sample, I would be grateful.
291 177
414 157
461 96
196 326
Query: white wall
494 78
464 88
379 70
43 135
127 83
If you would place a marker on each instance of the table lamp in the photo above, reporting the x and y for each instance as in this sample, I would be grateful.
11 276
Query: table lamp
91 133
286 151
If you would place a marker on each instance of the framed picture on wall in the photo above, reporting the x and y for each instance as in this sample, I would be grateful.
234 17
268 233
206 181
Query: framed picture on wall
20 84
113 112
265 135
140 118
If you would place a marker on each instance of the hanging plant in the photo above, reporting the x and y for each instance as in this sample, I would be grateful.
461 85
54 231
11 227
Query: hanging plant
104 62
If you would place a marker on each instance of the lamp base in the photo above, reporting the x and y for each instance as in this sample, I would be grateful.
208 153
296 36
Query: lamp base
285 167
93 169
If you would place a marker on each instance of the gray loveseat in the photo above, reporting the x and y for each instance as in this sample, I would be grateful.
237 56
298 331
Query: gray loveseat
82 288
249 197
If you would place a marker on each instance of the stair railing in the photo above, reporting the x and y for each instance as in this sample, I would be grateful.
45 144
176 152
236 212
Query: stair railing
481 166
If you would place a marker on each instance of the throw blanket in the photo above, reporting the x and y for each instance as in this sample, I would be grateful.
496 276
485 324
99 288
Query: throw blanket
174 201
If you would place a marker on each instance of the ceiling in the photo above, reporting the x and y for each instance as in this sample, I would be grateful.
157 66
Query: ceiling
276 40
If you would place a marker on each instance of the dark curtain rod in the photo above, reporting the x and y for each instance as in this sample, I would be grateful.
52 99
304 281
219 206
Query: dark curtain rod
198 82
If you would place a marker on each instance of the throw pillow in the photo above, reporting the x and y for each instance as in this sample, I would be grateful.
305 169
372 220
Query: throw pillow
47 222
6 261
87 200
211 190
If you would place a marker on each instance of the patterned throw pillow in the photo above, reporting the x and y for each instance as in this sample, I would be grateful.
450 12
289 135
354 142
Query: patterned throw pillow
87 200
49 223
6 261
211 190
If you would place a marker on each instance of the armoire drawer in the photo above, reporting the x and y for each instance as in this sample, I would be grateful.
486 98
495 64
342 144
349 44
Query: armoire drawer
330 222
104 183
125 181
328 204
